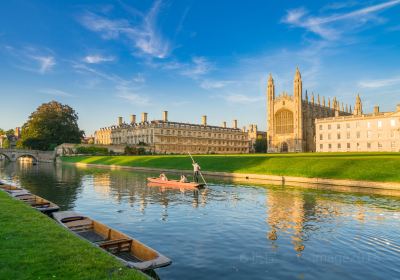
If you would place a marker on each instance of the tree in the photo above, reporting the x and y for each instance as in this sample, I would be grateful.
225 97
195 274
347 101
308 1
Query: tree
260 146
50 125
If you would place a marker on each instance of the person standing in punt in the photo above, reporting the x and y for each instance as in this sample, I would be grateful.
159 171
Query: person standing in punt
196 171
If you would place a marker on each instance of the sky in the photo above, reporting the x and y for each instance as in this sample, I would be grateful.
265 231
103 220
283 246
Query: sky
116 58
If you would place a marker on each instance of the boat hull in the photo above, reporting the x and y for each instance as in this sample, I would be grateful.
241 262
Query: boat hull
126 249
174 183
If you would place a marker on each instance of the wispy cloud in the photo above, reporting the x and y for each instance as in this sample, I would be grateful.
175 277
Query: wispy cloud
242 99
131 96
215 84
323 25
94 59
143 35
380 83
28 58
55 92
199 67
46 63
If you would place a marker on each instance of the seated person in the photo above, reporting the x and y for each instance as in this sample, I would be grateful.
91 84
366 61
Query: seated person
163 177
183 179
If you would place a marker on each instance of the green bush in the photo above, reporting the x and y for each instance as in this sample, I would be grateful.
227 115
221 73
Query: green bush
91 150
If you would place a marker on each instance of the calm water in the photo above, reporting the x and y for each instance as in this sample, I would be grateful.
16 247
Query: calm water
233 231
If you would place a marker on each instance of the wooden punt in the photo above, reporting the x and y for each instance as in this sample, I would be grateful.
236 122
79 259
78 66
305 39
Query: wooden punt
35 201
125 248
10 188
174 183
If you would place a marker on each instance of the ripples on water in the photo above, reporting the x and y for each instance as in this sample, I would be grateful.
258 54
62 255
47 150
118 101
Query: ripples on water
233 231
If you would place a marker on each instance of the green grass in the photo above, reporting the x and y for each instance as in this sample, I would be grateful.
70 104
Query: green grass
383 167
32 246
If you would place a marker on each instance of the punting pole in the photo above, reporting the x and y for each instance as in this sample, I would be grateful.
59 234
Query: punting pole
199 171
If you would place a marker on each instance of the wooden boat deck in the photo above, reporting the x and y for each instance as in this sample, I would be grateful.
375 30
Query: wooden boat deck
127 249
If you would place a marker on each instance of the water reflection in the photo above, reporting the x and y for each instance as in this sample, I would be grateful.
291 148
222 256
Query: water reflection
249 231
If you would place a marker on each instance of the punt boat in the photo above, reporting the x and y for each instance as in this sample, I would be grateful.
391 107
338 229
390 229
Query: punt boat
35 201
123 247
10 188
174 183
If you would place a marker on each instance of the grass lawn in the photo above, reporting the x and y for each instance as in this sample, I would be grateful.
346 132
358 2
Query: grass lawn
32 246
384 167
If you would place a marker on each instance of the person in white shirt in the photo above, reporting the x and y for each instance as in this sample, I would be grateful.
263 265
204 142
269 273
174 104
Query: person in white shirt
196 171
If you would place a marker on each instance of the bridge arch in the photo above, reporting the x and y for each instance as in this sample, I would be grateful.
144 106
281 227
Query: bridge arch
6 156
35 159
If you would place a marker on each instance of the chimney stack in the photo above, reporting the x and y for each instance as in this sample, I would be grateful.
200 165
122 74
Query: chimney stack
144 117
235 122
224 124
120 121
165 116
376 110
204 120
133 119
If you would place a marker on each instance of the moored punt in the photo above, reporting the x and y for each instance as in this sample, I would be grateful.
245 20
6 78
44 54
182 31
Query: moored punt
174 183
10 188
35 201
125 248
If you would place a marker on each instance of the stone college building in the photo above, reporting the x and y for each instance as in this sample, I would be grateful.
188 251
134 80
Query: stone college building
291 119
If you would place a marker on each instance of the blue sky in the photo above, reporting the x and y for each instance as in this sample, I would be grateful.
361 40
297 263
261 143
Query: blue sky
115 58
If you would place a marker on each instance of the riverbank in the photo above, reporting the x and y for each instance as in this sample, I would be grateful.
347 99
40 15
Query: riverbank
33 246
348 172
376 167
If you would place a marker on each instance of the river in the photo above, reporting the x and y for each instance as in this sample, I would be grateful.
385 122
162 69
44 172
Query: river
231 231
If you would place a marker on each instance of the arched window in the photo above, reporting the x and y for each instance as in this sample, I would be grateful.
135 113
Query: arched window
284 122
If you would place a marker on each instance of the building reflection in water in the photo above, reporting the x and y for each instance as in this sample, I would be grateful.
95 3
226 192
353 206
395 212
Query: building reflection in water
298 214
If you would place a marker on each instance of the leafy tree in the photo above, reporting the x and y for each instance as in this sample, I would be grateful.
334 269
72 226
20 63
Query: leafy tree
260 146
6 143
50 125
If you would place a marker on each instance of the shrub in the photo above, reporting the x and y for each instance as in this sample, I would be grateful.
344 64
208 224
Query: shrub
91 150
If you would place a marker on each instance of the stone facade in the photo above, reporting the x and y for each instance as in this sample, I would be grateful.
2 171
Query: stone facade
254 134
360 132
291 119
163 136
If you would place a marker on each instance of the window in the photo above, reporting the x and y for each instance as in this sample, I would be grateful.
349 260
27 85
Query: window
357 124
321 127
329 126
358 134
284 122
338 136
348 134
369 124
379 134
369 145
321 137
348 146
379 124
347 125
392 122
379 145
329 136
338 126
339 146
369 133
329 146
393 145
321 146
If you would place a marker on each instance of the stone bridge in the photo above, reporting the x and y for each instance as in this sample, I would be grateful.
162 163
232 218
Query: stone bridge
37 156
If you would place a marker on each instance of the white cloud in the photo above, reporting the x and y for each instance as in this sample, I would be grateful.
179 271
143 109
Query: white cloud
380 83
129 95
214 84
242 99
94 59
46 63
55 92
199 67
144 35
322 25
